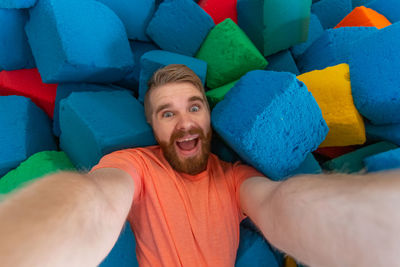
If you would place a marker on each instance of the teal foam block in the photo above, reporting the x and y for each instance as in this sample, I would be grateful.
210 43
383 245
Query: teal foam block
331 12
389 132
222 150
78 41
264 21
383 161
356 3
157 59
389 8
259 118
94 124
309 166
17 4
282 61
25 130
375 78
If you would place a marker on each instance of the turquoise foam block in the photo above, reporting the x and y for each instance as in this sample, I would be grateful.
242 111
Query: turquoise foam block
389 132
383 161
78 41
331 12
264 21
389 8
156 59
356 3
375 78
309 166
282 61
15 52
332 48
94 124
123 253
222 150
134 14
16 4
180 26
259 118
25 130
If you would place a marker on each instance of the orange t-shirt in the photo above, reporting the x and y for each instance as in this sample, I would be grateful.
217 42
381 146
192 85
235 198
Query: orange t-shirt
180 219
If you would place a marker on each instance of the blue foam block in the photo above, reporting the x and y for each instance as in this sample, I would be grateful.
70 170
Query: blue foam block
375 80
180 26
389 8
154 60
315 30
94 124
332 48
356 3
383 161
83 41
331 12
16 4
309 166
123 253
389 132
135 14
25 130
15 52
259 118
282 61
222 150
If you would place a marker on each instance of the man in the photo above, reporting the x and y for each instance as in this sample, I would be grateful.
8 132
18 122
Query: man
185 204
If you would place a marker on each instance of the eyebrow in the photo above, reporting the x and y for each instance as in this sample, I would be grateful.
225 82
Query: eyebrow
168 105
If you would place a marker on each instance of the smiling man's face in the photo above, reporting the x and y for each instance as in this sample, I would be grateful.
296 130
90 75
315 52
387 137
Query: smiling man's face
181 123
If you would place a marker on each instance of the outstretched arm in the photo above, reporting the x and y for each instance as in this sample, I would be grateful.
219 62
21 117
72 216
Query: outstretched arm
65 219
329 220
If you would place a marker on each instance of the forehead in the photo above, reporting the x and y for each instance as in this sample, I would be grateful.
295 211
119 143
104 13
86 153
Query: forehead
172 92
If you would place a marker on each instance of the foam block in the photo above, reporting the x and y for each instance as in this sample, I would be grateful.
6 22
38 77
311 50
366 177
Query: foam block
309 166
259 118
375 80
84 41
353 161
134 14
12 4
334 152
229 54
265 21
94 124
156 59
25 130
332 48
180 26
217 94
389 132
383 161
282 61
36 166
220 10
28 83
357 3
15 52
332 89
222 150
331 12
363 16
389 8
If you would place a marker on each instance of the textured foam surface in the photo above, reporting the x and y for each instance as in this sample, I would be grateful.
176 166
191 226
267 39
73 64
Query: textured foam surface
15 52
25 130
389 132
28 83
259 118
389 8
282 61
383 161
94 124
11 4
309 166
154 60
84 41
353 161
265 21
363 16
331 12
220 10
180 26
216 95
36 166
229 54
332 89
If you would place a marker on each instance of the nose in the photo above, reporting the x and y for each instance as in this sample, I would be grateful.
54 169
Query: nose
185 122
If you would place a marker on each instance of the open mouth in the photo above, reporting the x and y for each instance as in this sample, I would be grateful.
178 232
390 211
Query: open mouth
188 146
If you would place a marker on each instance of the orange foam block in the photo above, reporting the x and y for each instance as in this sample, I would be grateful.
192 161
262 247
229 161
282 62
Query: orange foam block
364 16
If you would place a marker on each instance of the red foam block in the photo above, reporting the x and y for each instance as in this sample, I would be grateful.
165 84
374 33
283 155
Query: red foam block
28 83
220 10
334 152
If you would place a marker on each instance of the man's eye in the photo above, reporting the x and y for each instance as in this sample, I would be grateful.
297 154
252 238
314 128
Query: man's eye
167 114
194 108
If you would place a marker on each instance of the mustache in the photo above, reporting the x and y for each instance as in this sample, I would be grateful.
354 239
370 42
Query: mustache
181 133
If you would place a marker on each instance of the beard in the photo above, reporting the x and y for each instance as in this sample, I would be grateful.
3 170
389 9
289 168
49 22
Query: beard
192 165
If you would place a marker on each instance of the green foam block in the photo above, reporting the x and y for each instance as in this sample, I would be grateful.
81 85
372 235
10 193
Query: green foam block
36 166
217 94
353 162
229 54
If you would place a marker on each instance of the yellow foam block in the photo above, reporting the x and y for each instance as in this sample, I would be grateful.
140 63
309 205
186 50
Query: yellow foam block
290 262
331 89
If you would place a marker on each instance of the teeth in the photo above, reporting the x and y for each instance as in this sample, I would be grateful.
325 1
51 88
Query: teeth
187 139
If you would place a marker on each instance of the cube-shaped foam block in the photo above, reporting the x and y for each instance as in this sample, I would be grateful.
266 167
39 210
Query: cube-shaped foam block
357 3
389 8
134 14
157 59
332 48
36 166
383 161
309 166
94 124
353 161
84 41
220 10
12 4
375 78
28 83
282 61
259 118
331 12
266 21
363 16
217 94
332 89
15 52
229 54
334 152
222 150
388 132
180 26
25 130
